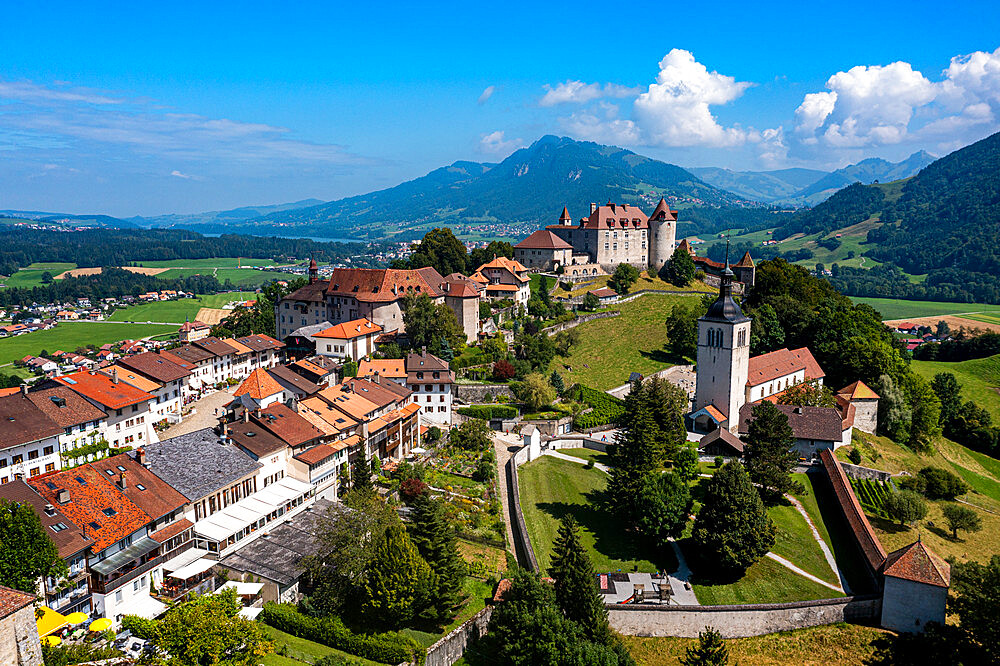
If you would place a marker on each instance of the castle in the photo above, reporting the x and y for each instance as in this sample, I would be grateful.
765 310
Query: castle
612 234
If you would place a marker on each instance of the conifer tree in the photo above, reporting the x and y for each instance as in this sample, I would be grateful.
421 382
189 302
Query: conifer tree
636 453
710 650
576 593
679 269
733 529
361 476
769 458
435 540
399 584
557 382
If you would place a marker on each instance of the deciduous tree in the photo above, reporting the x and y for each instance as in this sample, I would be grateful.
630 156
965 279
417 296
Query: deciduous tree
536 392
207 631
976 596
623 278
441 250
27 553
961 518
664 506
427 323
768 456
680 269
905 506
591 302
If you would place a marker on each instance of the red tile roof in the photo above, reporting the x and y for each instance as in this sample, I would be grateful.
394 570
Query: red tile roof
157 366
544 239
663 212
260 342
813 369
610 216
258 385
917 563
871 547
858 391
603 292
156 497
383 285
171 530
69 541
103 390
350 330
782 362
12 600
317 454
461 286
87 502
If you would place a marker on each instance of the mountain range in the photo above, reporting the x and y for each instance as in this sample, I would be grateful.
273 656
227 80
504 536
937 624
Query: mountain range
808 187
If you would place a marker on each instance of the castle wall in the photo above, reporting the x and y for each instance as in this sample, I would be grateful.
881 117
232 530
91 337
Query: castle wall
866 415
909 605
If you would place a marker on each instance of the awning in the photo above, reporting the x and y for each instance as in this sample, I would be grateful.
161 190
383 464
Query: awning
212 530
250 612
242 589
49 621
185 558
141 547
198 566
143 605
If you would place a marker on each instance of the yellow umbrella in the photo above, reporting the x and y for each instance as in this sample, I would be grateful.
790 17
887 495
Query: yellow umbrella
52 641
102 624
77 618
49 621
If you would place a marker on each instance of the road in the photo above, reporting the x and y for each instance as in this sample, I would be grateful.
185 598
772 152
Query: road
505 446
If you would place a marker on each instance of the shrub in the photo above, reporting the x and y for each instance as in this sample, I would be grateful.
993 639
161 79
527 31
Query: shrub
388 648
854 456
905 506
942 484
605 409
487 412
719 461
139 626
503 370
410 489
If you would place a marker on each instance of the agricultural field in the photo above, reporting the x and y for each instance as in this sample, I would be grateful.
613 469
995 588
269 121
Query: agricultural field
242 277
179 310
830 645
68 336
981 472
218 262
610 349
31 276
979 379
871 495
895 309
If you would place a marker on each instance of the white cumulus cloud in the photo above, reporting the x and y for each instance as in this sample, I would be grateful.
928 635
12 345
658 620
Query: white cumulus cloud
496 144
578 92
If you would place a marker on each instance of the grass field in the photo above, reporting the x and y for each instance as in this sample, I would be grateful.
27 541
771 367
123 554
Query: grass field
614 347
551 488
31 276
979 379
830 645
645 281
302 651
237 276
894 308
587 454
67 336
795 543
981 472
177 311
218 262
764 582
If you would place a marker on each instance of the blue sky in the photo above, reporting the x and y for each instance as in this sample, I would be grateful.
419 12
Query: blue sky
180 107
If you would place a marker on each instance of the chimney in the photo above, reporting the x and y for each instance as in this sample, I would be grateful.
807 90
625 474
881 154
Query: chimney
797 410
246 415
225 429
24 389
62 496
121 481
375 378
114 375
423 351
593 207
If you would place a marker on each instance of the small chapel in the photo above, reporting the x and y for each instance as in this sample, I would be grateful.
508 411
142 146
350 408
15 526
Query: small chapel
730 382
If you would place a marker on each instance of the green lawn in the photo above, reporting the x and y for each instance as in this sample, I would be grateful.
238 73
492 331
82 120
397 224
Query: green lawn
610 349
179 310
551 488
67 336
300 650
979 379
828 645
818 501
477 592
796 544
217 262
764 582
55 267
587 454
895 308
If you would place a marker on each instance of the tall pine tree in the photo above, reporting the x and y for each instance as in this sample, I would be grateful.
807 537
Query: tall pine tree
398 583
434 537
576 591
769 458
733 529
361 476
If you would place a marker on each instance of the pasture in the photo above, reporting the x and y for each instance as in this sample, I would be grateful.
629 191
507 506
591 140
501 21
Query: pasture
68 336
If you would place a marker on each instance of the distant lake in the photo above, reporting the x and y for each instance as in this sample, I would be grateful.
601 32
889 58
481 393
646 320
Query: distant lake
318 239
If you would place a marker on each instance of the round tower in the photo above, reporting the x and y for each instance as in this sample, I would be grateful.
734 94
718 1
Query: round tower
662 234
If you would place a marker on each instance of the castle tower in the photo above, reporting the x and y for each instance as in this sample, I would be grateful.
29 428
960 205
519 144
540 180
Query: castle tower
723 361
564 219
662 234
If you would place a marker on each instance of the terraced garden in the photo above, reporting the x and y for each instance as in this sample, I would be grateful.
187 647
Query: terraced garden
871 495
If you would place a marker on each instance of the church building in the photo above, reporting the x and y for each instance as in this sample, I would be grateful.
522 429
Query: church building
729 382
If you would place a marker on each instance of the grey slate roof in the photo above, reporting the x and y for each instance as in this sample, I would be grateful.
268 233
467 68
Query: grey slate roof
197 464
277 555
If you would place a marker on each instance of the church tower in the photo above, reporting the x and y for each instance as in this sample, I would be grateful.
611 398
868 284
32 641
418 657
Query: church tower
723 361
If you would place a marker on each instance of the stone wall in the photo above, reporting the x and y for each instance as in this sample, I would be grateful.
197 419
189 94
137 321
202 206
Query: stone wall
552 427
866 415
450 649
577 442
582 319
473 394
859 472
741 621
19 644
522 544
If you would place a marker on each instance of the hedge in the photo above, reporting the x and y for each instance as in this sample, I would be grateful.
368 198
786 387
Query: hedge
140 626
388 648
488 412
605 409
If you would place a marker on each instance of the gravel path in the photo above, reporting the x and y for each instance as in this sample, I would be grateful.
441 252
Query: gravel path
785 563
205 417
505 446
562 456
830 559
